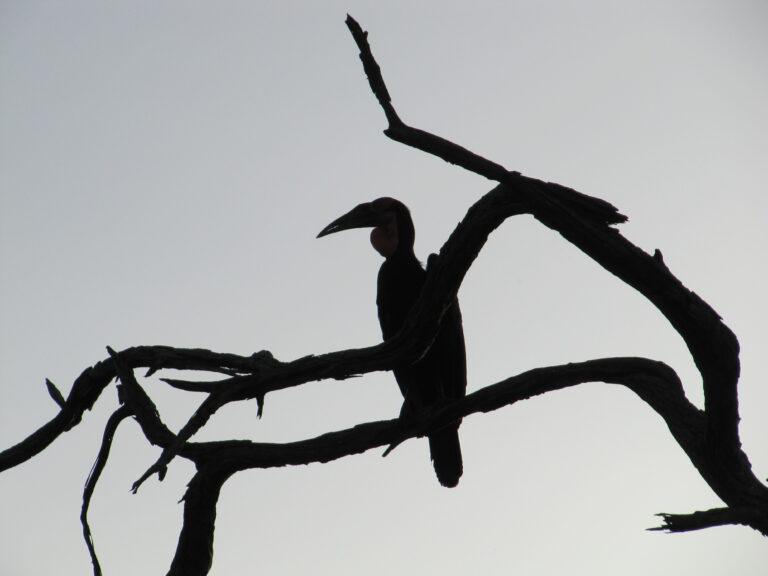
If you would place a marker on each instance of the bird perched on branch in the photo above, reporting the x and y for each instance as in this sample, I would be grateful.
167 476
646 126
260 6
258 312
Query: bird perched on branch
441 374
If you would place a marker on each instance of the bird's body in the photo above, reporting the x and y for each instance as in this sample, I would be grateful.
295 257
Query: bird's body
440 374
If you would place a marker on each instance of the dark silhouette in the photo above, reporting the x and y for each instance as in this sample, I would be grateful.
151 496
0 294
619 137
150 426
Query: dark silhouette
442 372
709 436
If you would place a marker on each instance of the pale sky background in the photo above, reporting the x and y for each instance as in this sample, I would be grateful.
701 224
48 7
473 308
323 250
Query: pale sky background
165 167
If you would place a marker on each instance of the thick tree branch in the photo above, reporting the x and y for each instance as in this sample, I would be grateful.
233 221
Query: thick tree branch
584 221
194 552
709 438
656 383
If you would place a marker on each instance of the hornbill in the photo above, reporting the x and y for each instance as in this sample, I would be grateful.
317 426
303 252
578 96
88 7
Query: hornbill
441 373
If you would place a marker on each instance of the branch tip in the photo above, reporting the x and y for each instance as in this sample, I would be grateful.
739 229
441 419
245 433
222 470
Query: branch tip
55 393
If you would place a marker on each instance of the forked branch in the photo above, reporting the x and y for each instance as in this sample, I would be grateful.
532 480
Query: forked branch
710 437
585 222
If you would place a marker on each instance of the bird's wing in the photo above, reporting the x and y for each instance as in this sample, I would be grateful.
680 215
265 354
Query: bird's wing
453 366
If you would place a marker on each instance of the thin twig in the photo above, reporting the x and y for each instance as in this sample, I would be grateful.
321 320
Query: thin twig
90 485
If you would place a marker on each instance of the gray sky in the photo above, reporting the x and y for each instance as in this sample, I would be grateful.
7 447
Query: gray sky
164 168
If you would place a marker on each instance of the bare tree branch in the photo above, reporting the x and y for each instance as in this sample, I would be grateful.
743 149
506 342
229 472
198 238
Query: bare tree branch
654 382
194 552
90 485
583 220
746 516
710 437
88 387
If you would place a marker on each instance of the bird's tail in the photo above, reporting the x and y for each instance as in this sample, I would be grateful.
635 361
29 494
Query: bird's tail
445 450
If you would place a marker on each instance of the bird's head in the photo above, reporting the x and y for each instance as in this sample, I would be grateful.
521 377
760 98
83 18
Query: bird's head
390 220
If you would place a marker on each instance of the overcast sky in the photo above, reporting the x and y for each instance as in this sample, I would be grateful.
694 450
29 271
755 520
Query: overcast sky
165 167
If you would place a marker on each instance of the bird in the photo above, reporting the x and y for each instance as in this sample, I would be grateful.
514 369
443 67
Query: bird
440 375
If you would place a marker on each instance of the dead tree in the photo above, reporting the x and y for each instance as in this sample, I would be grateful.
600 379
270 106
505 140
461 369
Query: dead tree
709 437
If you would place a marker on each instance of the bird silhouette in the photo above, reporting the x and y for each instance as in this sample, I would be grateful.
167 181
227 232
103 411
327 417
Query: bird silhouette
441 374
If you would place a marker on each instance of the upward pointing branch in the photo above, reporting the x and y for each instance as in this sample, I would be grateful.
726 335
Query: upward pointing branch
372 71
585 222
594 209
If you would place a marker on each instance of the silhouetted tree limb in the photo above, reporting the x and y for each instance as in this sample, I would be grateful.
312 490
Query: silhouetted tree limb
89 385
194 552
583 221
90 484
746 516
709 437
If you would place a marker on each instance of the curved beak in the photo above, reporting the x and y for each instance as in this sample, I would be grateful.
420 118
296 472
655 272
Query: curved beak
361 216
